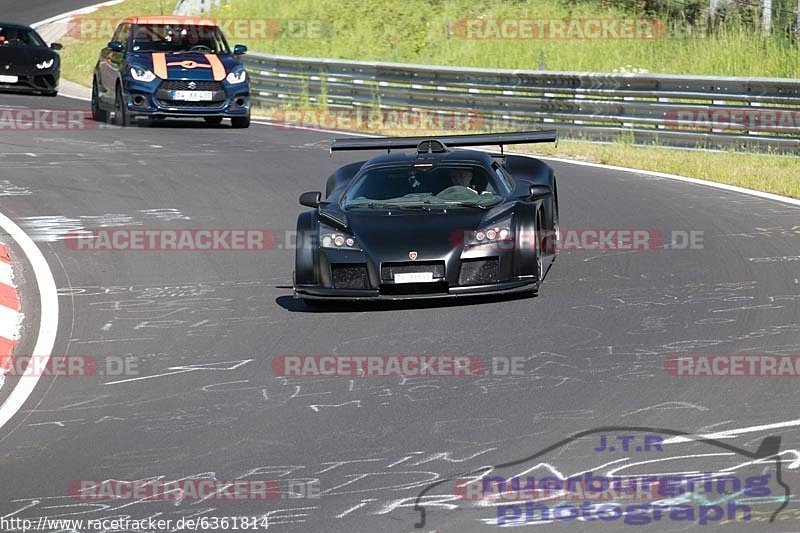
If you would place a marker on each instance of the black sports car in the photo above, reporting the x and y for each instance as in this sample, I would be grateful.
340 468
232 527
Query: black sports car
431 223
27 64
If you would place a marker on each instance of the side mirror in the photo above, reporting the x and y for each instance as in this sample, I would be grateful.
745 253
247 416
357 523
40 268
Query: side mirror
540 191
56 46
311 199
239 50
116 46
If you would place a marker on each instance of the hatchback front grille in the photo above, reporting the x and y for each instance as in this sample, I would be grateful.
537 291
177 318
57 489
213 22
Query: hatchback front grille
190 85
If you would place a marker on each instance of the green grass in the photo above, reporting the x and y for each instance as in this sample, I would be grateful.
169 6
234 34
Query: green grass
414 31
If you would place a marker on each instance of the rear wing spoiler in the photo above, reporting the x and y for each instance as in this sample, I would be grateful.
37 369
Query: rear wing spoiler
479 139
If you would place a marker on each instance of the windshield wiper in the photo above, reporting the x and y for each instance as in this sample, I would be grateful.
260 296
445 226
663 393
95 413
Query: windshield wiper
467 204
413 207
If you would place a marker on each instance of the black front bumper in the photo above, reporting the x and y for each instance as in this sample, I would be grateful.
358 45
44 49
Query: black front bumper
155 100
36 83
315 292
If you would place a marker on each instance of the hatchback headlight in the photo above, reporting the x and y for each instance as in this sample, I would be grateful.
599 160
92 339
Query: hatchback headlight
237 76
47 63
142 74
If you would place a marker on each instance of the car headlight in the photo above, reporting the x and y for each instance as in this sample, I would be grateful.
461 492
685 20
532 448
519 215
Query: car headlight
237 76
47 63
142 74
335 239
498 234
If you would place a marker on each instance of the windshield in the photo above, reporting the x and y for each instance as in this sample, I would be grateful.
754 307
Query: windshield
424 186
11 36
179 38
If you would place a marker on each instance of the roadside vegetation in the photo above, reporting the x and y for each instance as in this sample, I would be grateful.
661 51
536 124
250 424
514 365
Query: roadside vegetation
691 41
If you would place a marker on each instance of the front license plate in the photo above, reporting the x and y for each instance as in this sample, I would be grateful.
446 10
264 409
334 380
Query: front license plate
9 79
414 277
193 96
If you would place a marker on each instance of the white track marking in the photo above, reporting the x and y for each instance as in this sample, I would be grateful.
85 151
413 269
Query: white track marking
9 323
48 323
695 181
733 432
6 274
69 14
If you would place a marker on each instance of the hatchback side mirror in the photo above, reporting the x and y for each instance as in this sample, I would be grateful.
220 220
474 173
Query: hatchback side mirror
56 46
116 46
239 50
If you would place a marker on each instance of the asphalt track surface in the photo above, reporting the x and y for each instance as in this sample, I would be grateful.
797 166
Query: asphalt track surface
205 327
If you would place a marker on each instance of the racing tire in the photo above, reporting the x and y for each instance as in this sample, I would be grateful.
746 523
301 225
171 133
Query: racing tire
305 251
527 235
241 122
98 114
121 116
213 120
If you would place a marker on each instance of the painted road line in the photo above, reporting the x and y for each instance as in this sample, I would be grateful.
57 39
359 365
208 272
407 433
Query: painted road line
48 314
10 317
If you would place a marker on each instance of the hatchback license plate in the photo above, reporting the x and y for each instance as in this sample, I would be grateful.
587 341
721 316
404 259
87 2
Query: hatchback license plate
193 96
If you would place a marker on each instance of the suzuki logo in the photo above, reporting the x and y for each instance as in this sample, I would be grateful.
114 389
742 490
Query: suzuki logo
413 255
192 85
8 67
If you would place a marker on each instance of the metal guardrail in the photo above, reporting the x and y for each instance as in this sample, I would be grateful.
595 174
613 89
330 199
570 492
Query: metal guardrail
644 108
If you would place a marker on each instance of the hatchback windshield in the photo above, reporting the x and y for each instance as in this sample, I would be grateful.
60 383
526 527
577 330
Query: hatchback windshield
178 38
424 185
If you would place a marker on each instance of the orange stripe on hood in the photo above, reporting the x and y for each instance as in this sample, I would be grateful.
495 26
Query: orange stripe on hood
216 67
160 66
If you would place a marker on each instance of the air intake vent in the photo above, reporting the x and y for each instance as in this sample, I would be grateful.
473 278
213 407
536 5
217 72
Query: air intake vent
479 271
431 146
349 276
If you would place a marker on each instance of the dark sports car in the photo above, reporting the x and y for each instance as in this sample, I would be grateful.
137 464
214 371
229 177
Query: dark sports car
434 222
166 66
27 64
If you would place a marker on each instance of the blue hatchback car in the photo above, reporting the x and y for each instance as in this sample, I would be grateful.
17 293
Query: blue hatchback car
170 67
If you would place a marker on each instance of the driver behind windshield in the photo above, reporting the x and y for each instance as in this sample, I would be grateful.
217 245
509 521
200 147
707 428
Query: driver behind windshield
11 36
463 177
165 38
